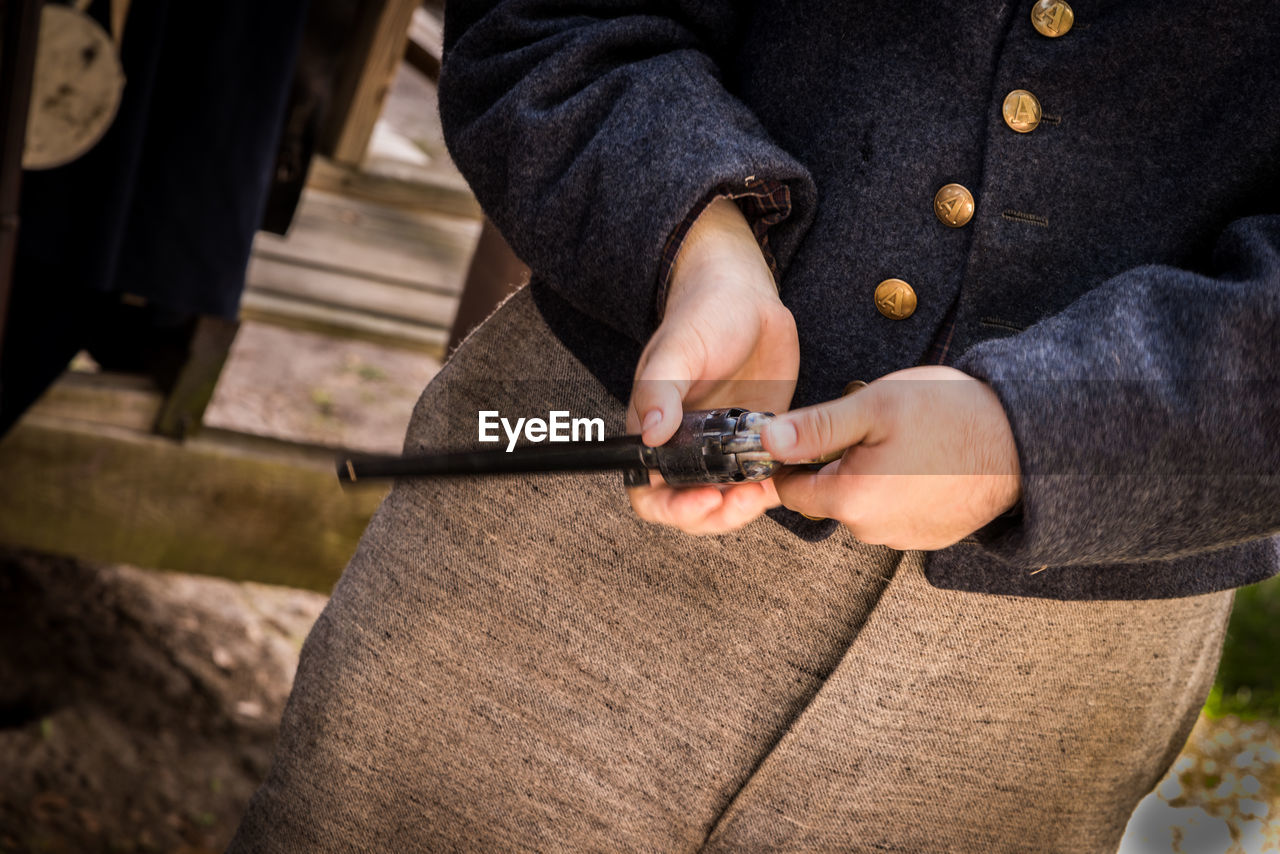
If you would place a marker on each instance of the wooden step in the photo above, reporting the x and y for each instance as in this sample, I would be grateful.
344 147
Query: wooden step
354 268
417 248
292 313
383 298
437 188
240 507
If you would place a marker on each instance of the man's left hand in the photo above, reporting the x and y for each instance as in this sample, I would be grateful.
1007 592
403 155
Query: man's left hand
930 459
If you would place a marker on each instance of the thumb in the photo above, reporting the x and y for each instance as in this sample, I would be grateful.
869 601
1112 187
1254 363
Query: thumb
657 396
816 432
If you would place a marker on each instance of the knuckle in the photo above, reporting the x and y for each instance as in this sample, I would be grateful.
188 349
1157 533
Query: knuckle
645 504
692 352
656 363
849 504
634 411
645 357
883 404
791 491
815 428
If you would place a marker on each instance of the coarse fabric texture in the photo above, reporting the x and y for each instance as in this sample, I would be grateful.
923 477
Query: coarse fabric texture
519 664
1118 286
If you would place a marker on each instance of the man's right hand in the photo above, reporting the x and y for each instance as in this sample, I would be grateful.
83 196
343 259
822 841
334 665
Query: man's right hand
725 339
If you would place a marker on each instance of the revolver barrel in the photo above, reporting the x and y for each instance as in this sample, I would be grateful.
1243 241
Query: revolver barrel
711 446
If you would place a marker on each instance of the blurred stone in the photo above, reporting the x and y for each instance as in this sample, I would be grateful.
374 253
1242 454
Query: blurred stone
1200 803
118 704
249 709
1158 827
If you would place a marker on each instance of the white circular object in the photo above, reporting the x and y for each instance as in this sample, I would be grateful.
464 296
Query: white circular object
76 89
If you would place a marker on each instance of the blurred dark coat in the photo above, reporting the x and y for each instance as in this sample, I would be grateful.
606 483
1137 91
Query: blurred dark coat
1119 285
166 205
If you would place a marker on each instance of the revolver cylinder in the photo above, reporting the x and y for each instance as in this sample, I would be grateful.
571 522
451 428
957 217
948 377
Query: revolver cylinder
715 446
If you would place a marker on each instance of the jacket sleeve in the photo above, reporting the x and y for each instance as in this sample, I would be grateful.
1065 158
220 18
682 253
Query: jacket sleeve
1147 414
589 130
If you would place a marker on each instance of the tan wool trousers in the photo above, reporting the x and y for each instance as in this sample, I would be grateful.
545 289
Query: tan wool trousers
520 664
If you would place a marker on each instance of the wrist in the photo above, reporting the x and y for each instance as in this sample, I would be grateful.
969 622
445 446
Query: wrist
720 252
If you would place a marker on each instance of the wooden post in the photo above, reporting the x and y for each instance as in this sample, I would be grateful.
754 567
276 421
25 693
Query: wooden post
495 273
119 14
20 26
425 49
183 410
377 47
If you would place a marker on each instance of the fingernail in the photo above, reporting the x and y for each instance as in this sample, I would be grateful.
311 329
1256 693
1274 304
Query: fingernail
651 419
783 435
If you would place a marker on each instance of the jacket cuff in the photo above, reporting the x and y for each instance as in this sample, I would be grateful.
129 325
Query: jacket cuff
1118 470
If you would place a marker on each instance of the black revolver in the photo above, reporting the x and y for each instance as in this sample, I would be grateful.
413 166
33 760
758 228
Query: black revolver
711 446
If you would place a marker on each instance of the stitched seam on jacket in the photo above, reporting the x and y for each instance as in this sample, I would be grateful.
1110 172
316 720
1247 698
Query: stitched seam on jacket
1026 218
1003 324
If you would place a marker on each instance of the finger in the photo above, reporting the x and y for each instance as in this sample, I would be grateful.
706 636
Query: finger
675 507
657 396
816 431
705 510
685 509
740 505
813 493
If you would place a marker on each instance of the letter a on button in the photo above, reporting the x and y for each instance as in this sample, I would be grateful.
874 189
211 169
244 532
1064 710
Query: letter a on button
954 205
1021 111
1052 18
895 299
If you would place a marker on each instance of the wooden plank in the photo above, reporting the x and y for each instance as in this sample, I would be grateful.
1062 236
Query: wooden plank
495 274
417 250
426 27
377 48
372 218
327 320
118 400
438 188
19 32
106 494
426 42
354 293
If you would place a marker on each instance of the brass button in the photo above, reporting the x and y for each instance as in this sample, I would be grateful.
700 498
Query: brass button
853 386
1021 111
1052 18
954 205
895 299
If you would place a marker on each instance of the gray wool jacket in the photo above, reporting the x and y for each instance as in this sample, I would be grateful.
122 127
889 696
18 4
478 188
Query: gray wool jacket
1118 286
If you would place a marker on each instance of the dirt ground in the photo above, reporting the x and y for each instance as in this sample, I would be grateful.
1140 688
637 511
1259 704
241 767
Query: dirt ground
138 709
